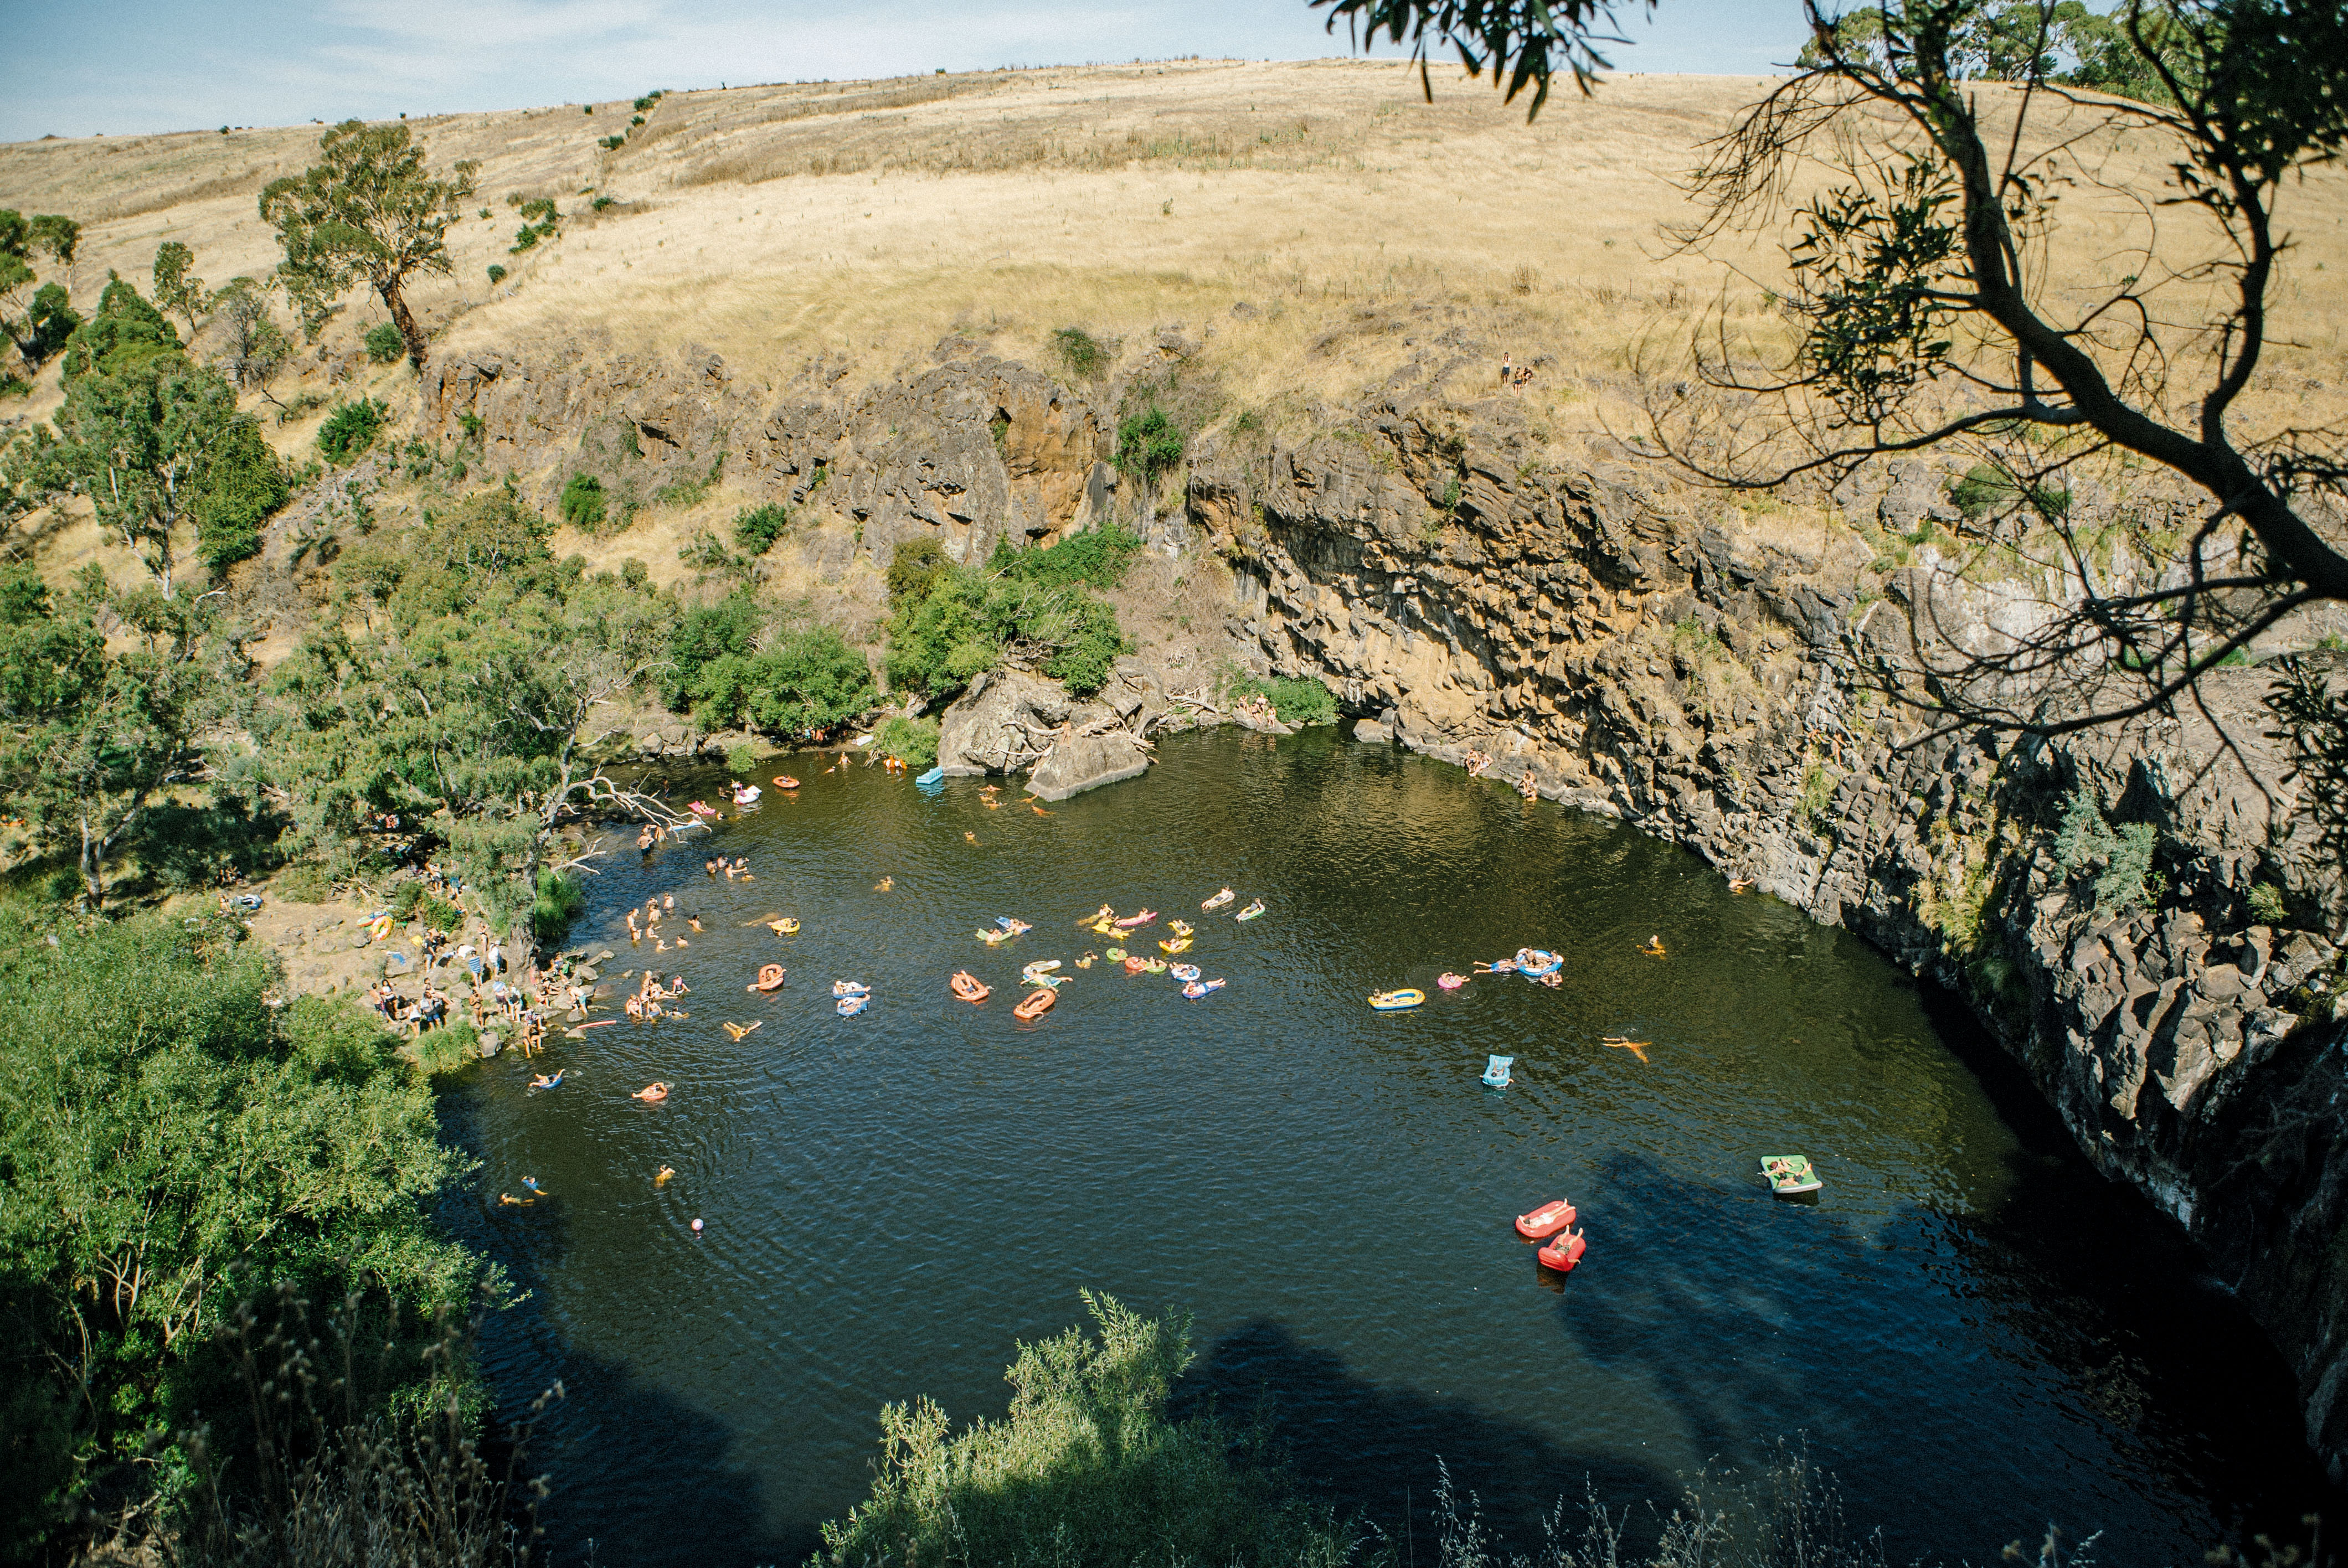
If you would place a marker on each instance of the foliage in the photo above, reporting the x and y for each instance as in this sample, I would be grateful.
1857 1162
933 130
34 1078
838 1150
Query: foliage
583 503
913 742
741 757
950 622
539 222
2267 906
802 682
1299 701
368 210
467 695
255 346
2312 721
1083 354
338 1474
37 316
1988 486
350 429
914 566
140 435
124 333
383 342
177 289
756 528
560 901
93 736
497 274
243 485
1086 1468
1147 444
2086 841
172 1139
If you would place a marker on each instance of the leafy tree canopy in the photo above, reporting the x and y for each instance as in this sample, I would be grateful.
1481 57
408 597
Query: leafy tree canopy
125 332
369 212
172 1139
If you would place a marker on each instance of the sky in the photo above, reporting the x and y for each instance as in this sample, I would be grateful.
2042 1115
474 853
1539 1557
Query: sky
126 67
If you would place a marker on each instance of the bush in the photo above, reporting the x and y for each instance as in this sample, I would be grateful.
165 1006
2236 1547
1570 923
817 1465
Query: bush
756 530
2267 906
558 901
244 484
1147 444
1298 701
497 274
350 429
383 343
447 1047
1082 352
740 759
800 685
584 504
2086 841
1097 556
1086 1468
914 566
913 742
439 915
162 1107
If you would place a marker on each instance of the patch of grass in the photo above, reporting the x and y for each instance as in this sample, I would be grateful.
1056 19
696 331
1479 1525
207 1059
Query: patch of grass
756 528
1084 355
384 344
683 493
2267 906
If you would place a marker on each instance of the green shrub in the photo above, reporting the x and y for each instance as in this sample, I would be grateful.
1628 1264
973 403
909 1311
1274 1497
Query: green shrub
584 504
740 759
2267 906
913 742
447 1047
350 429
1298 701
1091 647
243 486
1147 444
914 566
1085 1469
609 144
1080 352
558 901
497 274
1097 556
755 530
2086 841
383 343
439 915
800 685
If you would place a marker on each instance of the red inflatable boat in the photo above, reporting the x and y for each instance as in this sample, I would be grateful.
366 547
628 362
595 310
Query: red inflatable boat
1545 1221
1564 1252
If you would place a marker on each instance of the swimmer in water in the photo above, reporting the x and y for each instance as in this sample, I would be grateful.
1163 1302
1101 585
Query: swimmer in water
710 866
668 901
543 1081
970 838
694 921
884 885
1654 948
665 1174
1739 884
507 1200
652 1094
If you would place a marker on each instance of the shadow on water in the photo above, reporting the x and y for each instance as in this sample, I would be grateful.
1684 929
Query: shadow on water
665 1483
1373 1448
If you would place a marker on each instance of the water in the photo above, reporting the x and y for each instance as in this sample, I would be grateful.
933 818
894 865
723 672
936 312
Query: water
1974 1332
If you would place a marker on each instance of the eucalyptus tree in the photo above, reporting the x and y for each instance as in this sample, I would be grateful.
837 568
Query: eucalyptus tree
372 211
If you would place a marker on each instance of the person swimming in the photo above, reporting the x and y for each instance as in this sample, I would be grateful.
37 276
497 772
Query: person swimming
1654 948
665 1174
710 866
652 1094
544 1082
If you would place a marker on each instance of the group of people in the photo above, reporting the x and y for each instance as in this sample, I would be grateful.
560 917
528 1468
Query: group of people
645 1005
653 910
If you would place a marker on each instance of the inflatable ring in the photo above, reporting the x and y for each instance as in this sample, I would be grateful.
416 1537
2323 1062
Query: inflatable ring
770 978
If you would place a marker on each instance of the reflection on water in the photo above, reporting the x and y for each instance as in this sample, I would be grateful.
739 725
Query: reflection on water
1973 1331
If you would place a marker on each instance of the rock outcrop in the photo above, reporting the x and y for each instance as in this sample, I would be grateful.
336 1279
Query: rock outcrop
1008 719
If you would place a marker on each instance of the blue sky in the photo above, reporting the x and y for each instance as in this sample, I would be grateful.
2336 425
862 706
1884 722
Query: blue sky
124 66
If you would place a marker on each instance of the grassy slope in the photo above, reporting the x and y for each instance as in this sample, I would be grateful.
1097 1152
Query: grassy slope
869 220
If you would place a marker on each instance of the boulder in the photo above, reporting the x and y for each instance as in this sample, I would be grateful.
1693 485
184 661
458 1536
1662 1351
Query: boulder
1370 731
1085 762
999 724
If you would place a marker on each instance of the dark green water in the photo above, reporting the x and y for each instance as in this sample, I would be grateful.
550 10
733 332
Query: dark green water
1973 1331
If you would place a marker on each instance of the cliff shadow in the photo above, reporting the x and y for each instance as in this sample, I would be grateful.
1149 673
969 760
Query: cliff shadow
1373 1449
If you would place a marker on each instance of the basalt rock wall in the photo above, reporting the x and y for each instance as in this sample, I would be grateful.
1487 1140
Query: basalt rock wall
1689 669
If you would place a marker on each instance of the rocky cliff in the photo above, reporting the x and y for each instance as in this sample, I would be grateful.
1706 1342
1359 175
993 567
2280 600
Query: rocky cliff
1693 671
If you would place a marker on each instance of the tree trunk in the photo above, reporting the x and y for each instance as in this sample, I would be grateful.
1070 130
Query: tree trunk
92 890
405 319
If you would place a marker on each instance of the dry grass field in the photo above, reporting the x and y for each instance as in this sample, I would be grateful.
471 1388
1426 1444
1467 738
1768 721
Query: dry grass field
869 220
